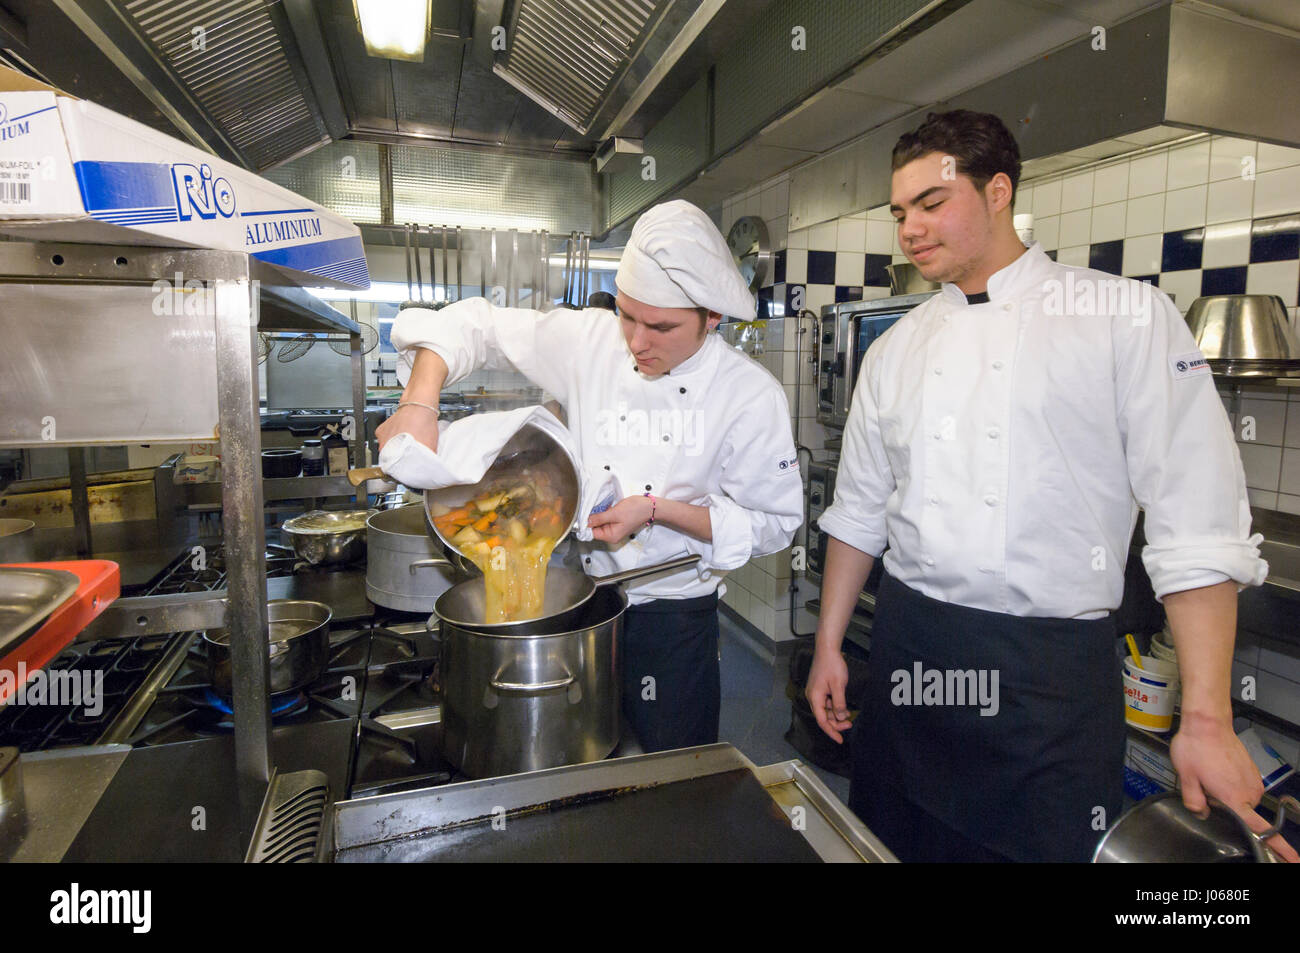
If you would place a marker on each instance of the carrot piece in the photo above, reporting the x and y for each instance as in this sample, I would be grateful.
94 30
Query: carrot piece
493 541
485 522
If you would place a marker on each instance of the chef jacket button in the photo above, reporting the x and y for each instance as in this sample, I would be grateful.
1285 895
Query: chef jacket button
938 370
934 499
929 560
589 560
607 466
991 500
681 390
648 488
938 435
993 433
665 438
997 365
633 536
1006 307
945 319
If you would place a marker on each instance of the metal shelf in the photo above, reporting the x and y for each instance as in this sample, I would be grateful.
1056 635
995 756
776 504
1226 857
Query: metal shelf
95 341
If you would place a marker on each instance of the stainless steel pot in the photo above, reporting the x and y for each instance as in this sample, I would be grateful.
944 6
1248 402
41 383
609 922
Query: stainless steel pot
17 541
403 570
298 639
566 591
328 537
530 447
522 702
1160 829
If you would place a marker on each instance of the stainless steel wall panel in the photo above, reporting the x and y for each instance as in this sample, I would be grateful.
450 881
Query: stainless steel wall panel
476 189
343 177
127 376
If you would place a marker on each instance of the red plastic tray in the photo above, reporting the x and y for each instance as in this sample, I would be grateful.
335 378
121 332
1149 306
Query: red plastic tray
101 583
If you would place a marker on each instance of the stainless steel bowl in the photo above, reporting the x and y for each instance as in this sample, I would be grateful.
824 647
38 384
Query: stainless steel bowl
328 537
1245 335
905 279
1160 829
530 447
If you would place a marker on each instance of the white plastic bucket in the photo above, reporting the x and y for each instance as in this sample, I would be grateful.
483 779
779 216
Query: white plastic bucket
1150 693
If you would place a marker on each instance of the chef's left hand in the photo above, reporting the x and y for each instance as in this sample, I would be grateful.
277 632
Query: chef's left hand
1212 762
626 516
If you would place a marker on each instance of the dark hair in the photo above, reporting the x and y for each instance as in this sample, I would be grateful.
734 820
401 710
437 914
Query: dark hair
980 142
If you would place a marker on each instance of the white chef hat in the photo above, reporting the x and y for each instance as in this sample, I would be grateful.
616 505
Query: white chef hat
677 258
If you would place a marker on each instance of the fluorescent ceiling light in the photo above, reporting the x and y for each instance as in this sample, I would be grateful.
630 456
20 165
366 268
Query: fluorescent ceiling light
394 29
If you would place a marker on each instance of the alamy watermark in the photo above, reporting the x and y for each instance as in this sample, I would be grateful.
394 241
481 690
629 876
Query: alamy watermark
61 687
181 296
1085 296
636 427
953 687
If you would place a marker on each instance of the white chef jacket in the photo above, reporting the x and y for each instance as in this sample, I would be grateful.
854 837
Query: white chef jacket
714 432
1002 449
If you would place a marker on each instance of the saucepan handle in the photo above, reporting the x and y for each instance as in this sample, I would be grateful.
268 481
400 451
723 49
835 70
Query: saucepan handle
630 574
530 686
422 563
1278 821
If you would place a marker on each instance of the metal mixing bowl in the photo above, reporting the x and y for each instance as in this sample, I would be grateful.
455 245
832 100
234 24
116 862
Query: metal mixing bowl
328 537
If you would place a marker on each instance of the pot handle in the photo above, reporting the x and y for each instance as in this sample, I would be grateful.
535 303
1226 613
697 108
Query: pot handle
1278 821
422 563
530 686
629 574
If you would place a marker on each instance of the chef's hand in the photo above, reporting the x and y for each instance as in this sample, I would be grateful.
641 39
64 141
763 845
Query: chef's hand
1212 762
626 516
827 680
420 422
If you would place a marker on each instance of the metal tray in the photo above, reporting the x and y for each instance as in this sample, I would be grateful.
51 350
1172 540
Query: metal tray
27 598
695 804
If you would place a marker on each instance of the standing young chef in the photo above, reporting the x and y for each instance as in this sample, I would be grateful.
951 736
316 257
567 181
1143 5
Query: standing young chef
697 433
1002 436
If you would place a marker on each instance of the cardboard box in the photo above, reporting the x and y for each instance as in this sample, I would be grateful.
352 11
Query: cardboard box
74 171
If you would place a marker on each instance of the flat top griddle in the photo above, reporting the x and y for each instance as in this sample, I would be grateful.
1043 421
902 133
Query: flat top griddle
720 817
694 804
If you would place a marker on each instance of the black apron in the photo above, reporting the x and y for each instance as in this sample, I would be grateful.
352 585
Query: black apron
1036 781
674 642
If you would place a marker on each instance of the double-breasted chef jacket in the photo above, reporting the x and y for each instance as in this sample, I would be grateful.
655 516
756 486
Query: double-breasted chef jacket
714 431
1002 449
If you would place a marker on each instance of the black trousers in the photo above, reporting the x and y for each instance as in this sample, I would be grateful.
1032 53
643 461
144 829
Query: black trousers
1037 778
672 690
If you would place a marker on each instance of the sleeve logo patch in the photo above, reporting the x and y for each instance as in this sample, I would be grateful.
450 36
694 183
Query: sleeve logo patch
790 464
1188 365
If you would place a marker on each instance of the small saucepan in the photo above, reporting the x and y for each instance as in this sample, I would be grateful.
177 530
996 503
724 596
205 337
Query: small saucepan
298 645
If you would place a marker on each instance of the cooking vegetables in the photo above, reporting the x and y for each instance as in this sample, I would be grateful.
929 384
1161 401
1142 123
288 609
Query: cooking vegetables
509 532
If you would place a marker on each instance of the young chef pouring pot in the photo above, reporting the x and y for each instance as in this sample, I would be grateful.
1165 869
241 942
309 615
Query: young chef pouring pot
721 481
1002 436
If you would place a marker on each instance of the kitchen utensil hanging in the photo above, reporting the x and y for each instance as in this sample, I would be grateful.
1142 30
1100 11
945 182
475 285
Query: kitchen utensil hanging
295 348
264 347
369 340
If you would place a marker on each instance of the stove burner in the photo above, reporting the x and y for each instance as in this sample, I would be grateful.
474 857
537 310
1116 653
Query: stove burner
286 705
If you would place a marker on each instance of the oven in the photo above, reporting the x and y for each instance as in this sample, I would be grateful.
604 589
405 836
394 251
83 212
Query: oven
844 333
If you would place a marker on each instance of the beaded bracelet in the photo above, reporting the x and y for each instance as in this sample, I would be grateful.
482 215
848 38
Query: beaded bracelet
653 506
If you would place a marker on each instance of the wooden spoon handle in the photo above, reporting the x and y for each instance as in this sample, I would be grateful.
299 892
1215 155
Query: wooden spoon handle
361 475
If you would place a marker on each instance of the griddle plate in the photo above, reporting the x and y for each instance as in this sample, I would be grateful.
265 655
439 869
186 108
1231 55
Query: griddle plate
726 817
